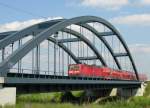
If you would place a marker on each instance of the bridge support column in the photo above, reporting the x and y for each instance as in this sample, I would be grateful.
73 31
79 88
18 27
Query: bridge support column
7 95
128 92
98 93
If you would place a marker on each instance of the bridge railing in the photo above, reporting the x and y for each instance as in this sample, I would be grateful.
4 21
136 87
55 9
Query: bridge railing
40 72
29 73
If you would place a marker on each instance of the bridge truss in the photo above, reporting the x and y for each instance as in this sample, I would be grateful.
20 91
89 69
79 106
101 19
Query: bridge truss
45 50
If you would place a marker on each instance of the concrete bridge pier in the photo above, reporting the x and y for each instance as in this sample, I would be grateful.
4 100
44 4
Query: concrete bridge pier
97 93
7 94
121 92
128 92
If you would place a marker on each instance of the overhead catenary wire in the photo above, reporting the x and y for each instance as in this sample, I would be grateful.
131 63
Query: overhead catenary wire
28 13
20 10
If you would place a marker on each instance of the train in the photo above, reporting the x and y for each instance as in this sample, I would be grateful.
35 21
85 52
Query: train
86 70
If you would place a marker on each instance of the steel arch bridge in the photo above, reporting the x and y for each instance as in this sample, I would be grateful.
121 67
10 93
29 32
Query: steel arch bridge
57 43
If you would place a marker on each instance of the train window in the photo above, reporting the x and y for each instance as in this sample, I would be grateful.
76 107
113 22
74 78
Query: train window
74 67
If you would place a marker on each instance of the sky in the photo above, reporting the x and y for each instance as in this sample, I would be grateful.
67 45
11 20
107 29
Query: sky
130 17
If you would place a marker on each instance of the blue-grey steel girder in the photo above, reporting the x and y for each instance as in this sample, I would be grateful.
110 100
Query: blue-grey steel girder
120 54
106 33
58 42
88 58
99 35
65 49
90 28
119 36
84 39
5 34
68 40
75 33
27 31
57 27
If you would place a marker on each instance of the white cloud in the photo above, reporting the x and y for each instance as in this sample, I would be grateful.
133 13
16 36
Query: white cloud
140 3
17 25
141 54
105 4
136 19
140 48
144 2
108 4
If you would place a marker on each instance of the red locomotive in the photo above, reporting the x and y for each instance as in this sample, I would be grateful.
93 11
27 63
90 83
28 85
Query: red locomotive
105 72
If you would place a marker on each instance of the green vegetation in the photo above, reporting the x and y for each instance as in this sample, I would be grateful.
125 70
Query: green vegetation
55 97
147 91
55 100
138 102
40 97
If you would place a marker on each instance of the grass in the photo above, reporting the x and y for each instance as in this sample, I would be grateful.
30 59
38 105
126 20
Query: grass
42 105
77 93
40 97
147 90
53 100
138 102
55 97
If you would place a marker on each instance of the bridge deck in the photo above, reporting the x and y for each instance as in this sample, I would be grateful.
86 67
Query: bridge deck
31 82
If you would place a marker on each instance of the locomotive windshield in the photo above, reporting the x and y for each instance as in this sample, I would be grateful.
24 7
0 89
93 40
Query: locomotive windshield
74 67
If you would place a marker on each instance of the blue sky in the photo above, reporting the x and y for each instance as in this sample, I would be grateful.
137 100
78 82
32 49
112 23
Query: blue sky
68 9
130 17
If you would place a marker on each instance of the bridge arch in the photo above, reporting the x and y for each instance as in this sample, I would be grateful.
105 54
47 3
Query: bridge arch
58 26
